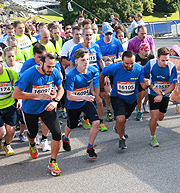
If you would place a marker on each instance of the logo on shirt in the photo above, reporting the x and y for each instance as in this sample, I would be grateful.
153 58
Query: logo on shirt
134 78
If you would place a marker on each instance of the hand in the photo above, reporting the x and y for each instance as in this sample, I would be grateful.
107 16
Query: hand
158 99
44 96
53 93
89 98
147 82
19 104
102 95
108 63
51 106
158 90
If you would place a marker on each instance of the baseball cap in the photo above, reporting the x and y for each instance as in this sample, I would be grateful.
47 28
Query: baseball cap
107 28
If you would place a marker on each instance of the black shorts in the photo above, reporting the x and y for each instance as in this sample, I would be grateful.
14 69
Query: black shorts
73 114
8 115
49 118
140 88
120 107
162 106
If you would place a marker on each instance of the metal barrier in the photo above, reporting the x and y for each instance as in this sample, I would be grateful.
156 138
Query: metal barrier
162 28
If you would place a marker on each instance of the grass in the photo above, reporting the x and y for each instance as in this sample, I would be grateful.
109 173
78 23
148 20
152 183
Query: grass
51 17
156 16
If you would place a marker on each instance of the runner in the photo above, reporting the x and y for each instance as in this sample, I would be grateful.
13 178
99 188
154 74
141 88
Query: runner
95 59
127 74
142 57
163 77
8 116
80 100
111 49
34 86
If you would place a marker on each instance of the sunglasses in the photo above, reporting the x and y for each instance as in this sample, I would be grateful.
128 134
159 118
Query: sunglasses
108 34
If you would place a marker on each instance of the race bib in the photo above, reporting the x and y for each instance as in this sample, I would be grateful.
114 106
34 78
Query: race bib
5 89
92 59
125 88
42 89
24 44
163 85
81 92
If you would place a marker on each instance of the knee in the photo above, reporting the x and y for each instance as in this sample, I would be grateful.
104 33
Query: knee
10 130
96 124
2 132
56 136
99 101
121 119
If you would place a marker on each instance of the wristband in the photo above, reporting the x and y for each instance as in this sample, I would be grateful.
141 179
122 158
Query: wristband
154 87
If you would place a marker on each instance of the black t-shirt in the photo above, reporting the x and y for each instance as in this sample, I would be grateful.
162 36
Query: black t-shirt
141 61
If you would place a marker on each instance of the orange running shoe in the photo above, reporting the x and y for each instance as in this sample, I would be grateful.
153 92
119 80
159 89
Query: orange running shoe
33 151
55 171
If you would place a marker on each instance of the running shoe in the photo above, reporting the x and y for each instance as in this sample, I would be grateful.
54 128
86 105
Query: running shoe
37 141
79 124
33 151
64 115
146 108
154 142
55 171
122 143
60 122
45 146
66 144
125 134
8 149
86 124
91 153
139 116
102 127
22 137
110 116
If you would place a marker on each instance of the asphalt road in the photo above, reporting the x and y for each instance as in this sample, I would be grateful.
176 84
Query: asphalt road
139 168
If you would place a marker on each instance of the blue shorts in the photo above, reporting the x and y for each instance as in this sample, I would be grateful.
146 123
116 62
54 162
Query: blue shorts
8 116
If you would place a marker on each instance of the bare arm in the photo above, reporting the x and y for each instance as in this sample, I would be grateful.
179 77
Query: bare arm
66 62
102 64
19 94
101 81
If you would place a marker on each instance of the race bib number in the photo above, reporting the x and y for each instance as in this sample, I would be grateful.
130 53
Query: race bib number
42 89
163 85
24 44
5 89
81 91
125 88
92 59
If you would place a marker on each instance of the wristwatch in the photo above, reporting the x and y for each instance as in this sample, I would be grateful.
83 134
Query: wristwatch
56 100
163 93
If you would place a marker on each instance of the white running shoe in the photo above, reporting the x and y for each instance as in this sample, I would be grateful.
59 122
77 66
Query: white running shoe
45 146
146 108
37 141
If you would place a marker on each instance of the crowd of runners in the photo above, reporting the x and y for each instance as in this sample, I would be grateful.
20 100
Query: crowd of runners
49 71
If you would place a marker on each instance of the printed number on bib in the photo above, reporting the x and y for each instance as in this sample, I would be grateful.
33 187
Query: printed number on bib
163 85
5 89
81 92
92 59
42 89
125 88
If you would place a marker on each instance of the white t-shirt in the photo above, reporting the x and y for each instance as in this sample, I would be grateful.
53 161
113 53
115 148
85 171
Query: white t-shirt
66 51
17 67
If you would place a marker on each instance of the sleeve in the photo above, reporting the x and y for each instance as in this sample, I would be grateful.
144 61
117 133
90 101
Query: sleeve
98 53
57 80
147 69
130 46
108 70
141 77
64 51
69 84
71 56
96 78
173 77
151 42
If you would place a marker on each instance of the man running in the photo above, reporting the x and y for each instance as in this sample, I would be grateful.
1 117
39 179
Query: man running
163 77
80 100
127 74
34 86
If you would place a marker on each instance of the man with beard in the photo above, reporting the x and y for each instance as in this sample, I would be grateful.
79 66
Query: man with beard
35 87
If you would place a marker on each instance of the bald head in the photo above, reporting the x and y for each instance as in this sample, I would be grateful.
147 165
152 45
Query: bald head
44 35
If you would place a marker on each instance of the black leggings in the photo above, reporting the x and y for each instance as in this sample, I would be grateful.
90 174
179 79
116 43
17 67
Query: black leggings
49 118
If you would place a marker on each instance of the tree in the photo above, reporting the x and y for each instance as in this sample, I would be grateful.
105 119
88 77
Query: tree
103 8
166 6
